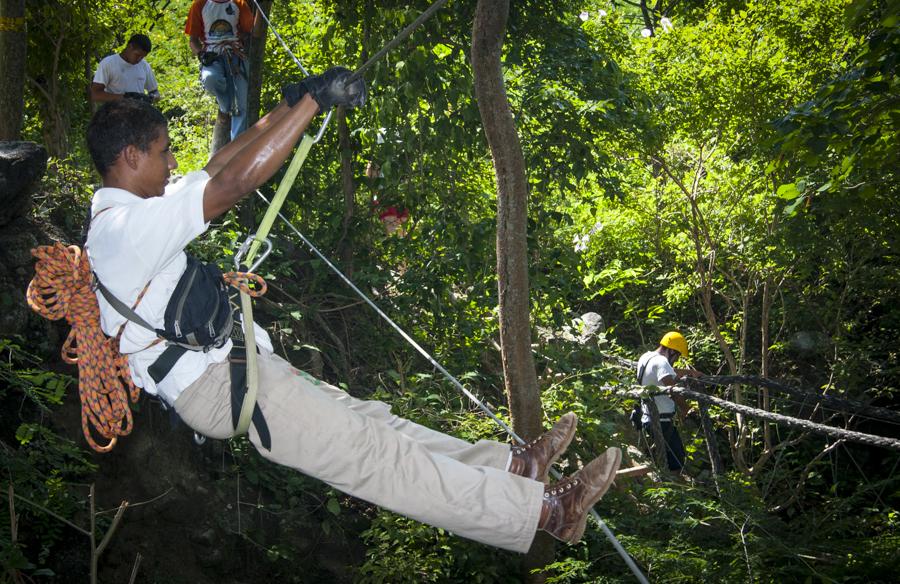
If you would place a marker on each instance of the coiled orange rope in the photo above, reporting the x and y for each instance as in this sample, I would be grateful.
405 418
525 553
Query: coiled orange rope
242 281
61 288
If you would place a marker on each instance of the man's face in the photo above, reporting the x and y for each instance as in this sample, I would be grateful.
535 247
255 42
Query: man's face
673 356
155 165
133 54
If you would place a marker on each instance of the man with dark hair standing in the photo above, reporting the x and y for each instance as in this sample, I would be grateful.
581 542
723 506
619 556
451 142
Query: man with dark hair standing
488 491
219 32
126 74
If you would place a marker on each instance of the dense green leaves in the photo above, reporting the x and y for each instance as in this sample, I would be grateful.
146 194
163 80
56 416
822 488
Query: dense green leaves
733 175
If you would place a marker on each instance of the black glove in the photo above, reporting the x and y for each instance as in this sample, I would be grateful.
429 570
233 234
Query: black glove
328 89
138 96
207 58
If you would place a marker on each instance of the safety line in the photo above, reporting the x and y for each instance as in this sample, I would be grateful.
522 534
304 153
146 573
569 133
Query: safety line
400 37
397 39
260 11
485 408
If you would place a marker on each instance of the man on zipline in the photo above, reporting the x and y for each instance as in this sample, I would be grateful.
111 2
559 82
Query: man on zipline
656 368
488 491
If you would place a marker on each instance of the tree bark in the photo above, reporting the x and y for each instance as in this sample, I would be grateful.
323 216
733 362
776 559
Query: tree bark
348 187
256 53
221 132
13 47
488 31
711 443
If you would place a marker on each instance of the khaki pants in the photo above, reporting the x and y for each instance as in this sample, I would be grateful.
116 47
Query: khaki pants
360 448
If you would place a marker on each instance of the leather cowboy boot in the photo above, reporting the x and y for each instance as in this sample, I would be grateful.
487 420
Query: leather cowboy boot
535 458
568 502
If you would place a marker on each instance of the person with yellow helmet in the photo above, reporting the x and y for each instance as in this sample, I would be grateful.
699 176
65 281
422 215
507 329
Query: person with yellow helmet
657 368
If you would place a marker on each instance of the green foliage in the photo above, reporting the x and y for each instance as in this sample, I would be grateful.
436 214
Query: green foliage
40 464
402 550
733 174
846 135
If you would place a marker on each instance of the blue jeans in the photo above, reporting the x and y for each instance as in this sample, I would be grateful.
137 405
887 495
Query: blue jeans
226 79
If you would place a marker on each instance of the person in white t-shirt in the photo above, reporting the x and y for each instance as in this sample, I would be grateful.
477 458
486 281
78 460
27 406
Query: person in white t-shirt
488 491
655 368
126 74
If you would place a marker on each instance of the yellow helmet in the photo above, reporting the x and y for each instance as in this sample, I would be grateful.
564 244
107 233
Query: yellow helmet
675 340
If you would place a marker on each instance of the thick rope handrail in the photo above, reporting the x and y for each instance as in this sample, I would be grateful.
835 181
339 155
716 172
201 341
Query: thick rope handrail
852 435
837 402
62 288
626 557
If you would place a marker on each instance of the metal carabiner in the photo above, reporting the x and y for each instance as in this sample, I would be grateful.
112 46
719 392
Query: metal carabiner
246 246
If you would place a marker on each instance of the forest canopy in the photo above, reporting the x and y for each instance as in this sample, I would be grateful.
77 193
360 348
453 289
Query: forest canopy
724 168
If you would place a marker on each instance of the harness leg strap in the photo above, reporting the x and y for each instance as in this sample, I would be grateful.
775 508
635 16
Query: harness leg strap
237 361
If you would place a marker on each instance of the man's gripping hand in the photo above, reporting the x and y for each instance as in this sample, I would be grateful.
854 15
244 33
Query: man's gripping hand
328 89
138 96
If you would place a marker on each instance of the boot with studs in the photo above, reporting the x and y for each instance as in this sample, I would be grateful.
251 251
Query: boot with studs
568 502
535 458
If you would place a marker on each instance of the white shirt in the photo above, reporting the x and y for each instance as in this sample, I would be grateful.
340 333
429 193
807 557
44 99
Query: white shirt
137 241
657 368
119 76
220 21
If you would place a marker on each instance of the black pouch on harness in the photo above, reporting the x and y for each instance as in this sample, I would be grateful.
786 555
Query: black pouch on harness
198 316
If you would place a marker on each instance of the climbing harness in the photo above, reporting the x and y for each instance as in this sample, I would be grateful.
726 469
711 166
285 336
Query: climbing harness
62 288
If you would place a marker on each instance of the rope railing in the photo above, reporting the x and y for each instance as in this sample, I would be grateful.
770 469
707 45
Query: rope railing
838 403
832 400
851 435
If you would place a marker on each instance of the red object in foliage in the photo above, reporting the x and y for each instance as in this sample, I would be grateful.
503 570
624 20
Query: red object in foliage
393 213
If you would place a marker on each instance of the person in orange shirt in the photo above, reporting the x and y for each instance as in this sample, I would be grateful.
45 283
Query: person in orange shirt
219 31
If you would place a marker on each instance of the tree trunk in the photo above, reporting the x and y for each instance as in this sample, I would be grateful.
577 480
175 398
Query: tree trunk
13 46
221 132
256 52
712 444
348 187
488 31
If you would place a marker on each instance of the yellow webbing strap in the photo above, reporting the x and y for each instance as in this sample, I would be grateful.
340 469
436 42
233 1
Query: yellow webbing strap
265 226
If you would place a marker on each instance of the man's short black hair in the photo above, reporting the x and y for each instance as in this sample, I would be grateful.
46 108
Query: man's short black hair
121 123
141 41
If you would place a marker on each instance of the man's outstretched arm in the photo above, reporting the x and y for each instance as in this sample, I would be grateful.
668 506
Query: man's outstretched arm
248 162
254 156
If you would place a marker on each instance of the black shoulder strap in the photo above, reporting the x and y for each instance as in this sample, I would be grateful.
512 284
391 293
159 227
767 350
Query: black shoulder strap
640 373
121 307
